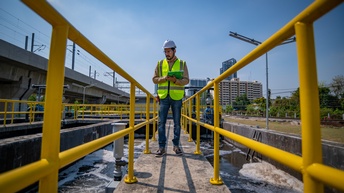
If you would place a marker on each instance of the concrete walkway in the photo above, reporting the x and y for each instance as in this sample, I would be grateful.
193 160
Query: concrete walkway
172 173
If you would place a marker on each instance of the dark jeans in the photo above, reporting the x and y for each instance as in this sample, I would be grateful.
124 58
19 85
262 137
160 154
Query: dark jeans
176 107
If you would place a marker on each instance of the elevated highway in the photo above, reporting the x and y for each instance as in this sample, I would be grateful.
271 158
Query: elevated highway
20 69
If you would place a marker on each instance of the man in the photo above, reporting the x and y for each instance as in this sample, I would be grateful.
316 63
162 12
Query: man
171 93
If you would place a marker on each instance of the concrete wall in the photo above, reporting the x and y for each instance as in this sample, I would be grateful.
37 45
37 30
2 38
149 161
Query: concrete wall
19 151
333 153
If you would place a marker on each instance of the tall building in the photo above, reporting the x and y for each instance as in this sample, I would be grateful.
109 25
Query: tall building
231 89
227 64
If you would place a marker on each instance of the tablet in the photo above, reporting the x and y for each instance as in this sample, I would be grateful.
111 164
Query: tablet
177 74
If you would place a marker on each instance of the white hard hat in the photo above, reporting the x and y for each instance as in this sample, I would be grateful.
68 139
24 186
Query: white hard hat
169 44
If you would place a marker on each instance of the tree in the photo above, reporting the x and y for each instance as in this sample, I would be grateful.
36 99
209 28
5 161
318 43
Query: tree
295 97
32 97
250 109
241 102
337 86
260 103
229 109
326 99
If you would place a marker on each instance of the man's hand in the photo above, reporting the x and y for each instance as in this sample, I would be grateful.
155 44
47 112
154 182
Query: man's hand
171 78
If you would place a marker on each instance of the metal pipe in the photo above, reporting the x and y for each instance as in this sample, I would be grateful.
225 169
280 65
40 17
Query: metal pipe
309 103
267 91
130 178
190 123
52 118
198 135
147 151
216 180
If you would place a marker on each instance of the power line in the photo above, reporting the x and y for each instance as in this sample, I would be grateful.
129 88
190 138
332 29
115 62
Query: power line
24 22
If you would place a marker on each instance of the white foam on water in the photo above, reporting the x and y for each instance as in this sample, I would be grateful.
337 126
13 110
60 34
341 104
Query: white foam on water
264 171
93 179
97 161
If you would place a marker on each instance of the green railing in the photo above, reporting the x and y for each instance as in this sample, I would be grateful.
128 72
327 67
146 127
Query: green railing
315 174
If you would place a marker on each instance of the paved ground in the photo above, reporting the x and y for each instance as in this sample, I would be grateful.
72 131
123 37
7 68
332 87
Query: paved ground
172 173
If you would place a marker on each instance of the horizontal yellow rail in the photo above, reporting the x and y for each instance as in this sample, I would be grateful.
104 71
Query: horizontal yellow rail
11 112
328 175
30 173
291 160
73 154
19 178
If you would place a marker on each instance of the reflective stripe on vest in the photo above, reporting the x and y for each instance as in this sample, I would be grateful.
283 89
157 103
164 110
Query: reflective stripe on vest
176 92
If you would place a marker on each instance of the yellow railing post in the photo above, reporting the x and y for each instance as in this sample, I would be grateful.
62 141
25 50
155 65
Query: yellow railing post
154 122
198 132
130 178
121 112
309 102
147 151
12 112
182 117
216 179
5 114
75 111
190 122
186 113
53 101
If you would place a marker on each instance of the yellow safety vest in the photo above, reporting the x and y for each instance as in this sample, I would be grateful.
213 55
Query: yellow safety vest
176 92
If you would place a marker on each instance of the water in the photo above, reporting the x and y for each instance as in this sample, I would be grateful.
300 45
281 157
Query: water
95 171
241 176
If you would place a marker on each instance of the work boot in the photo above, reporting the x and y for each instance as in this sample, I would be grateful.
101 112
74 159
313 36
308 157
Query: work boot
161 152
177 150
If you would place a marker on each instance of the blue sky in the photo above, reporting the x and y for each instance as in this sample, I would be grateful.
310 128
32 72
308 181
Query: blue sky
132 33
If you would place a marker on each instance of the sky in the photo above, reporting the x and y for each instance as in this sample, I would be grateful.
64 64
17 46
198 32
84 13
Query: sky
132 33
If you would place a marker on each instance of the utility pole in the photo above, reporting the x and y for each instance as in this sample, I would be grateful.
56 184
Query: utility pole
32 41
26 41
113 77
73 56
255 42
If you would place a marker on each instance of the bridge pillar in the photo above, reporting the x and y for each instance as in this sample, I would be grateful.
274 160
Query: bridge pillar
15 91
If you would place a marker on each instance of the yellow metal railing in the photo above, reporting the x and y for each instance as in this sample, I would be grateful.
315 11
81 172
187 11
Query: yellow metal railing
16 109
29 111
46 169
315 174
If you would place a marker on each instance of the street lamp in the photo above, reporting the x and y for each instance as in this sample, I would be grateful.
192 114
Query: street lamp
255 42
84 89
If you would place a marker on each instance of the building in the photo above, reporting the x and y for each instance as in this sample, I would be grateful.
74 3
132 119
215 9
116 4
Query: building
195 85
227 64
231 89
